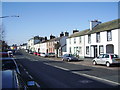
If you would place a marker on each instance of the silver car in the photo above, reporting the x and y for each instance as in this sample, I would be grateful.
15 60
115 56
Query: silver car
106 59
69 57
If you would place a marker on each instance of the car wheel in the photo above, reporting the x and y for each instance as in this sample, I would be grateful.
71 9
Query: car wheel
107 64
94 62
68 60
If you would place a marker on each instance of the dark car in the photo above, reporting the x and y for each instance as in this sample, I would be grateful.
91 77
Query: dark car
69 57
8 62
12 80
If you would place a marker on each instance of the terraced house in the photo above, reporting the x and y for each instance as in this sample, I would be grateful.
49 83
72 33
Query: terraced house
100 38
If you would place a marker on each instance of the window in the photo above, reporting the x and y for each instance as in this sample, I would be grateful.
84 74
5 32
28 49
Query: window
74 40
80 50
101 49
89 38
98 37
109 36
80 39
106 56
87 50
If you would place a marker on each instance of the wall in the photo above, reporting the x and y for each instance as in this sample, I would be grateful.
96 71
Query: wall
74 45
103 41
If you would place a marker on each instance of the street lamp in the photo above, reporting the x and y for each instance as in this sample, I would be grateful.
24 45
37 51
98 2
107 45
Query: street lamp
9 16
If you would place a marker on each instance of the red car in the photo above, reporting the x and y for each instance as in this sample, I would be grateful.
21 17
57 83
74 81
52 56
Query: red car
38 54
35 53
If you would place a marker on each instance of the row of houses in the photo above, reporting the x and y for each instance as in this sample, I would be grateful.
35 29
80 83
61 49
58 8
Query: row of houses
98 39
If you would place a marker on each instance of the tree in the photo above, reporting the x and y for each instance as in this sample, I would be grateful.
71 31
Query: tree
3 44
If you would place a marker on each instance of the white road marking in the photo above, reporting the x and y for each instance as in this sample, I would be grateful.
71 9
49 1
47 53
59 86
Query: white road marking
37 85
94 77
86 75
57 66
30 76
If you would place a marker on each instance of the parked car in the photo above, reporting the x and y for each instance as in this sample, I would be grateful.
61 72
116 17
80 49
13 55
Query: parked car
38 54
69 57
35 53
10 53
50 55
8 62
30 52
106 59
43 55
12 80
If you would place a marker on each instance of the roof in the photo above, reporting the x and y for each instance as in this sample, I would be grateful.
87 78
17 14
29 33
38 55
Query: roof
81 33
55 39
111 25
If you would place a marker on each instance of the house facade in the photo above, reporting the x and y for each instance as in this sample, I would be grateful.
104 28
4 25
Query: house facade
57 45
76 43
104 38
100 38
33 43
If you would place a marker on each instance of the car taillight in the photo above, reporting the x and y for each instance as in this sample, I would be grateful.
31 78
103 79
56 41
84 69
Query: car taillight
110 57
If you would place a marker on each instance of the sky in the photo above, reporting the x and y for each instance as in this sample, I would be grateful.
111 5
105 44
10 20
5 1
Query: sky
46 18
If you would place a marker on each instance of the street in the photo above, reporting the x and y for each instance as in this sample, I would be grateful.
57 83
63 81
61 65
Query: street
59 74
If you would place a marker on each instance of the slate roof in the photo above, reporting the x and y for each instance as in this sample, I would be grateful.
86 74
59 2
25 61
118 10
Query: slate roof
111 25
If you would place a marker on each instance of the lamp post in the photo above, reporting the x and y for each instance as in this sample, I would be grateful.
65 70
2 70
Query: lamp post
9 16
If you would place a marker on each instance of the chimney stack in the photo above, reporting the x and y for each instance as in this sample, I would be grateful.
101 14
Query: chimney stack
51 36
74 31
45 38
66 34
61 34
94 23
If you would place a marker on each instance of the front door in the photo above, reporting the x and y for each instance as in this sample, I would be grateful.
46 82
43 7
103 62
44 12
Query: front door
95 51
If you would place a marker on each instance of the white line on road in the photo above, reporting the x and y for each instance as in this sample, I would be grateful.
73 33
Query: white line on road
94 77
37 85
30 76
86 75
57 66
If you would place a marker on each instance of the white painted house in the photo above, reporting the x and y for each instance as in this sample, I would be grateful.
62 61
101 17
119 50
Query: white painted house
100 38
76 43
32 43
43 47
103 38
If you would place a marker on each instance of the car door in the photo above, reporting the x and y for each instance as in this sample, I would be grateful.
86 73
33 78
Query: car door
105 59
99 59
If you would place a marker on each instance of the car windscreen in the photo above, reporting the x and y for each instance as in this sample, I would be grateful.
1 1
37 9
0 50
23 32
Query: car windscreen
8 64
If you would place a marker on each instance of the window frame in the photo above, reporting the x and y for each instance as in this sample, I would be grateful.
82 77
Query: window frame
89 38
98 37
109 35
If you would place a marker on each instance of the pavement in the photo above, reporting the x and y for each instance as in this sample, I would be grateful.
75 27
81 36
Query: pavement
85 62
82 61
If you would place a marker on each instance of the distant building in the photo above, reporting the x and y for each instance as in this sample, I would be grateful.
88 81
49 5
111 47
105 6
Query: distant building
23 46
57 45
31 42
